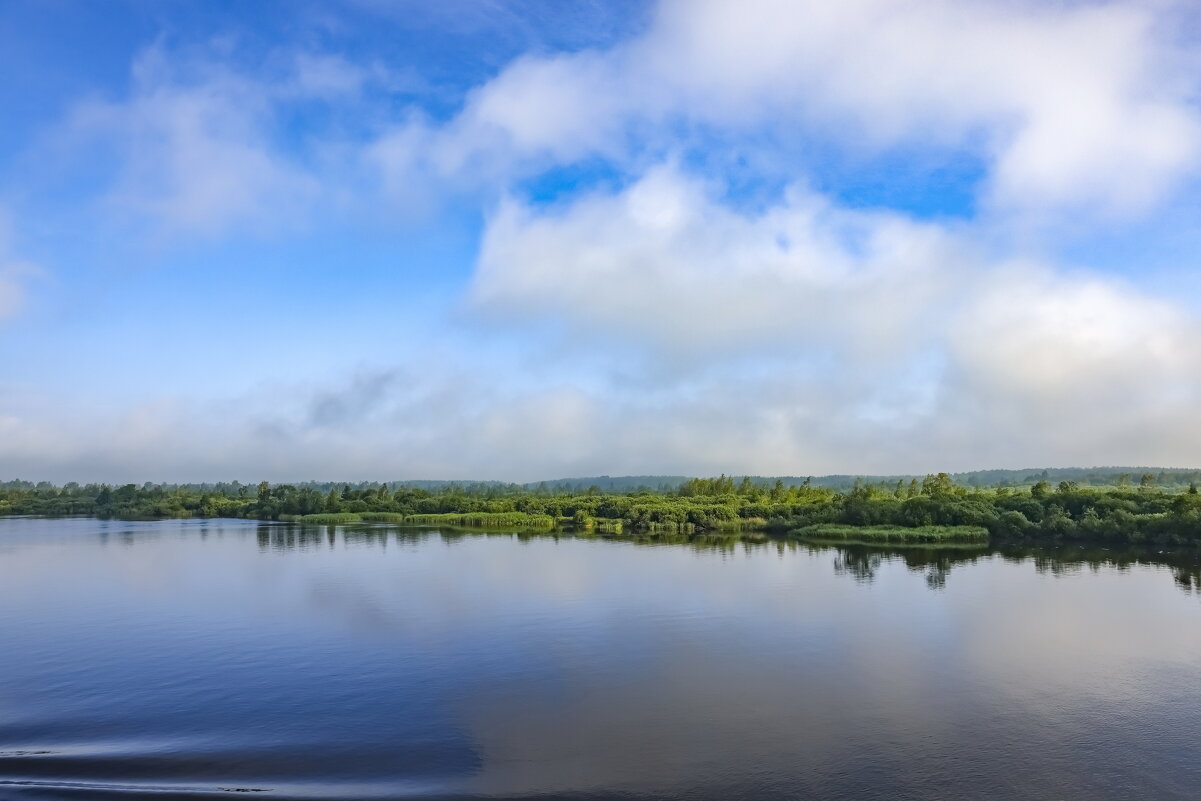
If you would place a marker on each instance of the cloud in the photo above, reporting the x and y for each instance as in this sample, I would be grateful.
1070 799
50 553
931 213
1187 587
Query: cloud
1083 106
1033 333
863 338
1080 108
659 320
201 148
1085 103
1020 375
853 333
801 338
1081 366
663 261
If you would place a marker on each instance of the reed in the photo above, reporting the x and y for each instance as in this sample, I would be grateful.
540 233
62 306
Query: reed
835 531
483 520
325 519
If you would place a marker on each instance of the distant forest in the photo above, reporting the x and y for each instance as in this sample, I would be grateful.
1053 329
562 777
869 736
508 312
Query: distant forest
1172 478
1160 507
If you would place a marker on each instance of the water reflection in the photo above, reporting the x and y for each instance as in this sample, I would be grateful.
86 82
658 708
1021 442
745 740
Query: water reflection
858 562
189 658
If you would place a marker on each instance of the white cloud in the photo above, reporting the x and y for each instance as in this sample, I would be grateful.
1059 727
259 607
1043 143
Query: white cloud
665 261
1086 368
803 338
1083 106
873 336
1079 107
196 146
1069 100
565 106
800 337
539 112
1033 333
900 345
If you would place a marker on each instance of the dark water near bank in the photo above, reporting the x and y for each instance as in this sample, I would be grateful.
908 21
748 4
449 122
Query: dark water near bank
196 659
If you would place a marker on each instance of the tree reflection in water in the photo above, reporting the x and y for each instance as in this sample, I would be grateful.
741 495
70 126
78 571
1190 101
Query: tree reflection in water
859 562
863 562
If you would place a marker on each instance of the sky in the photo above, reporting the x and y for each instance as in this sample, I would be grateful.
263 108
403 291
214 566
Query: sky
480 239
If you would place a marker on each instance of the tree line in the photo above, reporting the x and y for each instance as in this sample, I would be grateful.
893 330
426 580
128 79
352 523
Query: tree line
1136 511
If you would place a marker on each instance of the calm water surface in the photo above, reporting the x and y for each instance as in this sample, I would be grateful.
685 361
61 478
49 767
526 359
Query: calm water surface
195 659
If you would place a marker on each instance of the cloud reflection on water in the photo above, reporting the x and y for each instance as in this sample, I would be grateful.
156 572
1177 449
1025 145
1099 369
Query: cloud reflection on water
558 665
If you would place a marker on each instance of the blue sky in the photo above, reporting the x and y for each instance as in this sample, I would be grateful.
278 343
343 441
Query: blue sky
520 240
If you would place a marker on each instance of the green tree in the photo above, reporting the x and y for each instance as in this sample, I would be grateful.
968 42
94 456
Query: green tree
940 484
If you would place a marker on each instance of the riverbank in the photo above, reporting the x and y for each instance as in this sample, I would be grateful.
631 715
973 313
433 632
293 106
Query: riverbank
934 510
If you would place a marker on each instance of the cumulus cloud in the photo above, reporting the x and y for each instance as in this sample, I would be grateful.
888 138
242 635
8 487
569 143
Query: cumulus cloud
893 338
875 336
1084 103
1083 106
665 261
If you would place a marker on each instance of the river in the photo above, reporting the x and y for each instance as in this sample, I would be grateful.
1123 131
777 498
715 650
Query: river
202 658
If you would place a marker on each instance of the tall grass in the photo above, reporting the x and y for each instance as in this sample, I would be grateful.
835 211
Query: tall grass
382 517
483 520
835 531
323 519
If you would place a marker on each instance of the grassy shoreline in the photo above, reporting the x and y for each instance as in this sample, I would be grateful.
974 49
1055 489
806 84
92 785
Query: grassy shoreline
894 534
932 511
